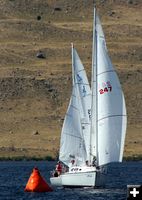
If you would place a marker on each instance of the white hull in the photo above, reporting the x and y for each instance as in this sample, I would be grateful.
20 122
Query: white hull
56 181
86 178
83 179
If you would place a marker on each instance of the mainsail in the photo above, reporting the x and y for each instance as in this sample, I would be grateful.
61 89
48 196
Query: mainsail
75 136
110 116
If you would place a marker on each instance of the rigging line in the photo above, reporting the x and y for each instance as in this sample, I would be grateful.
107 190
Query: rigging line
85 96
73 136
109 116
85 123
69 115
81 96
74 107
80 70
106 72
77 83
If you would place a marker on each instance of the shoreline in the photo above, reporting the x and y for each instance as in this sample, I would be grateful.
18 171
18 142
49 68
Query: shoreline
50 158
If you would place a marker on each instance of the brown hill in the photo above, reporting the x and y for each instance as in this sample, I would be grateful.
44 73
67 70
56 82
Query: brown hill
34 93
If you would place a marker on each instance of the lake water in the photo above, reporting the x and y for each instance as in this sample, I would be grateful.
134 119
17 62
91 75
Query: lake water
15 174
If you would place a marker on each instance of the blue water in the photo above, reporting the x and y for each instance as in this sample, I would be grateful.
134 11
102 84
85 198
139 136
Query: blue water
15 174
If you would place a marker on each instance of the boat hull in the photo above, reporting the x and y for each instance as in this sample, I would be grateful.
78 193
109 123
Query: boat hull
56 181
84 179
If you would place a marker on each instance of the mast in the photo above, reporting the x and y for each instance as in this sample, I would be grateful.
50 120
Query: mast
94 111
96 90
73 80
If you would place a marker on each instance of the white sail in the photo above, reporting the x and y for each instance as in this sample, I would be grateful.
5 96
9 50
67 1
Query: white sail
76 124
84 91
72 143
110 103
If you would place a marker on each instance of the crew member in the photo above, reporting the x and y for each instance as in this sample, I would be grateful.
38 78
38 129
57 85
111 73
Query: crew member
94 162
87 163
73 162
59 167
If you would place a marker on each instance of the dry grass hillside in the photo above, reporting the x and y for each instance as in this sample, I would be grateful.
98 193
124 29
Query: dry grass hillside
34 92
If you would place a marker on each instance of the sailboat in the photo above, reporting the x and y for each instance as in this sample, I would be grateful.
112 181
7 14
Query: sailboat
94 128
75 136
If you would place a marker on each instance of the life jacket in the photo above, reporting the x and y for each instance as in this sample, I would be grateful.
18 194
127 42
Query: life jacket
59 167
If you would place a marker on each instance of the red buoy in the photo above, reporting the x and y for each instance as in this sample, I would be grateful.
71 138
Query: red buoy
36 183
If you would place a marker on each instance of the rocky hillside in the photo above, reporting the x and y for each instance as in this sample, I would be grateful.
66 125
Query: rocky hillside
34 92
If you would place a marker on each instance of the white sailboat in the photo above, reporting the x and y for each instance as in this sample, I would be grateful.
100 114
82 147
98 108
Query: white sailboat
102 136
75 136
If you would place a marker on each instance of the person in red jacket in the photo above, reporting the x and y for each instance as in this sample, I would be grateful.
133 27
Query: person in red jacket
59 167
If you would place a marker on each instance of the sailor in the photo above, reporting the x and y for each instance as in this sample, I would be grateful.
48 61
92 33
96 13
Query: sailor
87 163
73 162
55 174
64 168
94 161
59 167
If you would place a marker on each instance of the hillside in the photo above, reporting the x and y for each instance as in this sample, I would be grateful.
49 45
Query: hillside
34 92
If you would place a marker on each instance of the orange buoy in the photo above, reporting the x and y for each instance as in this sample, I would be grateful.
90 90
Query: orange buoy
36 183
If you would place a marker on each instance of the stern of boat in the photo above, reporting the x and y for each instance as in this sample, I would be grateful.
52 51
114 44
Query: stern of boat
56 181
101 175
